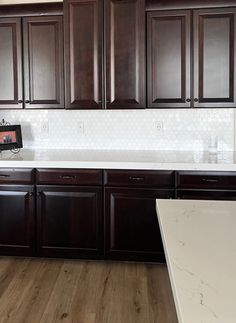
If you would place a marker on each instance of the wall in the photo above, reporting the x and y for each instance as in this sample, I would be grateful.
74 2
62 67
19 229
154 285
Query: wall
180 129
130 129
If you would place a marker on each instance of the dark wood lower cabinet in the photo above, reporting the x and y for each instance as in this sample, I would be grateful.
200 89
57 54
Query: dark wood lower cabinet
70 214
69 221
132 230
17 220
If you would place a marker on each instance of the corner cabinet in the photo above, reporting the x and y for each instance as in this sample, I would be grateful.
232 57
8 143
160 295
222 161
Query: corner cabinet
105 66
192 67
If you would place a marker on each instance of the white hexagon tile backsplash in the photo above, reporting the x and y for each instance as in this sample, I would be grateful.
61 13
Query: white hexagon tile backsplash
130 129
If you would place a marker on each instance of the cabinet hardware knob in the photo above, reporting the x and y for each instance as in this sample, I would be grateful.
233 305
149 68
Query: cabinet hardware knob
108 101
27 101
31 194
210 180
188 100
135 178
20 101
99 101
196 100
39 194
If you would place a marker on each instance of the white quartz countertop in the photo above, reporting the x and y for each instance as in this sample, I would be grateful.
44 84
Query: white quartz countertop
120 159
200 246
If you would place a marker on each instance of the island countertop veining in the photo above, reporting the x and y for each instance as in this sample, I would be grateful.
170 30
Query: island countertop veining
120 159
200 246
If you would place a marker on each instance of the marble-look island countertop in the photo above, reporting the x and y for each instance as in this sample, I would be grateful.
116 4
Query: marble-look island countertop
120 159
200 246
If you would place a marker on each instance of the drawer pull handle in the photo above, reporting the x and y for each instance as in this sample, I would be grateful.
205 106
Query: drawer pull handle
4 176
138 179
68 177
210 180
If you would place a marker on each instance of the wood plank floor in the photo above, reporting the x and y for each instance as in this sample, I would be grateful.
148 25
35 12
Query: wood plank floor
73 291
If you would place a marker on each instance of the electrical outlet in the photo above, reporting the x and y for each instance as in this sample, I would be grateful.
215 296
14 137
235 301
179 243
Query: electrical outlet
45 128
80 127
159 126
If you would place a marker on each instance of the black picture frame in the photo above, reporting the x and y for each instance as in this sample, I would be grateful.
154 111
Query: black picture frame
15 145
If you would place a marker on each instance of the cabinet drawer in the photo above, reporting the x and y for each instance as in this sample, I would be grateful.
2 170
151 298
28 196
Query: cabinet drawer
69 176
206 180
139 178
16 176
225 195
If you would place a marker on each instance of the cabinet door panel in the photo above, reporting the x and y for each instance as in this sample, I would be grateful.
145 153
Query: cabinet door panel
214 39
168 59
43 62
125 26
83 44
16 220
69 221
132 230
10 66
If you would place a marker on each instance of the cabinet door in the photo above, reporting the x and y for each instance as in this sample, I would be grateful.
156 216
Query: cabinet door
83 45
214 58
168 59
132 230
17 220
69 221
10 63
125 41
206 195
43 62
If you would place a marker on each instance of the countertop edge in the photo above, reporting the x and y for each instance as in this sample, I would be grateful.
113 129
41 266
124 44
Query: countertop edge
117 165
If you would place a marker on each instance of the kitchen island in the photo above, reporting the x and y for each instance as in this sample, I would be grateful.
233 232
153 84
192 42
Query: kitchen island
200 247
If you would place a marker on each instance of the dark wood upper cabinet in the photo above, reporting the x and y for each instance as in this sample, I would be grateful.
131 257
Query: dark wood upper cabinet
214 58
125 42
31 9
186 4
43 62
83 45
10 63
191 59
105 66
168 56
